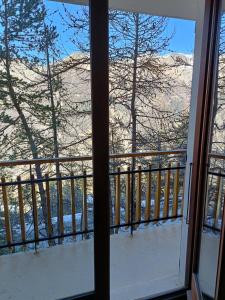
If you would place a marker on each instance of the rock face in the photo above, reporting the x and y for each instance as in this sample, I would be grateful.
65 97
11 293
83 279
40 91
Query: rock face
76 101
175 100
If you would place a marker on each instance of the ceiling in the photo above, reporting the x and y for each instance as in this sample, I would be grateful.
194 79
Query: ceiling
184 9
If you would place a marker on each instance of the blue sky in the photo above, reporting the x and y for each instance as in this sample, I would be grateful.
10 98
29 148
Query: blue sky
182 41
184 37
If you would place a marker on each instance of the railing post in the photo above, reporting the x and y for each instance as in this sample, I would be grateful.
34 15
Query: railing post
137 208
176 190
48 202
167 193
73 206
35 213
148 195
138 197
85 215
128 197
21 210
6 213
217 206
182 203
117 200
158 194
60 199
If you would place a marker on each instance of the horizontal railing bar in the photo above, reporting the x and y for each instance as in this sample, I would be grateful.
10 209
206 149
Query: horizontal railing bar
44 239
147 170
149 153
216 155
86 158
216 174
85 232
9 183
212 227
146 221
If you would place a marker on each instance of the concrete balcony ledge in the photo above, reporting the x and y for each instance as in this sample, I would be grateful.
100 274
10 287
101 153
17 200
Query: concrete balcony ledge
142 265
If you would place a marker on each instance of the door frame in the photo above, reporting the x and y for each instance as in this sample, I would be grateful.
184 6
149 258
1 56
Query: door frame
100 127
100 144
206 90
197 144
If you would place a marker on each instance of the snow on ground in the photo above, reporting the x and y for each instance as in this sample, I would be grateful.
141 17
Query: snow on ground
68 218
139 267
144 264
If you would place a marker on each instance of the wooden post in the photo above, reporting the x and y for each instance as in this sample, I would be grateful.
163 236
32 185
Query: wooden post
60 193
48 202
6 213
128 197
117 200
35 213
167 193
217 207
148 196
73 206
158 194
138 197
21 210
176 190
85 215
182 203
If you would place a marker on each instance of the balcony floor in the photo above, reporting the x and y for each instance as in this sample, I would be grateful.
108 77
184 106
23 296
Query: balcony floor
144 264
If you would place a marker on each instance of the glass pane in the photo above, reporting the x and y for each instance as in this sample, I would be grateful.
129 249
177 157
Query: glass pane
46 209
211 230
150 89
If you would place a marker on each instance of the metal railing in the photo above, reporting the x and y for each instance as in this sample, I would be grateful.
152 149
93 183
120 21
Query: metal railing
215 192
59 206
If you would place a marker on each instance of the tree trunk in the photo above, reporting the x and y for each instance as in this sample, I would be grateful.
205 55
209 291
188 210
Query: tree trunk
54 128
22 117
133 114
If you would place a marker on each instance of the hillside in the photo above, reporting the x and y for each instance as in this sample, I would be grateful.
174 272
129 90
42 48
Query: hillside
77 105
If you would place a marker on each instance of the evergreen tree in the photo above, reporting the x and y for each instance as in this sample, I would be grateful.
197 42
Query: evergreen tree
22 135
138 76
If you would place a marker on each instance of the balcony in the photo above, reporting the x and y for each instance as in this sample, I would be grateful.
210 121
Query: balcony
55 236
41 209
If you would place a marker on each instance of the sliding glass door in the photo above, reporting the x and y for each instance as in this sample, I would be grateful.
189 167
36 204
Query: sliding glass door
152 73
54 231
207 276
112 139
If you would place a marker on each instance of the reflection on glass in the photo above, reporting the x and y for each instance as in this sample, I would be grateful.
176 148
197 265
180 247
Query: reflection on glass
210 238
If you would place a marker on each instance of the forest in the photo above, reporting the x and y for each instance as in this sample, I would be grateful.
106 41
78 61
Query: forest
45 111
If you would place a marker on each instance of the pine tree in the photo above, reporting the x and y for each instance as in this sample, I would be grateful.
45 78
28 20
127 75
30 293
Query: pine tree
138 75
22 24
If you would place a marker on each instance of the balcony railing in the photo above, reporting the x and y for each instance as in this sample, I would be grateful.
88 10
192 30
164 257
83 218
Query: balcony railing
53 207
215 192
